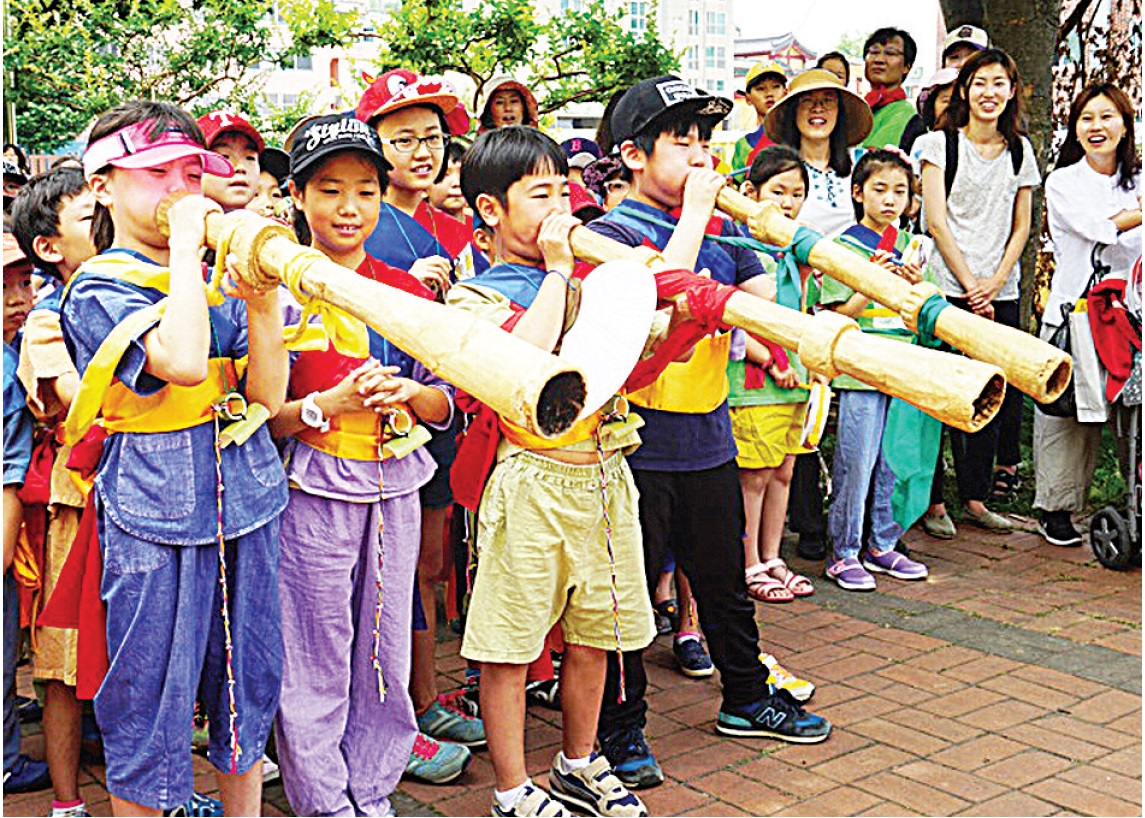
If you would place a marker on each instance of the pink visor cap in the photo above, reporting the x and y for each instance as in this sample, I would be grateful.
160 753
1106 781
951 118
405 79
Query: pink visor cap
132 148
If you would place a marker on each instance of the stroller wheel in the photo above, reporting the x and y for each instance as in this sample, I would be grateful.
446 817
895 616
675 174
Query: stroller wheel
1109 536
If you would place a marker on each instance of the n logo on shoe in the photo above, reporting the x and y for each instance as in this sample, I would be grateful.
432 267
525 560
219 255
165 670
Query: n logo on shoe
772 718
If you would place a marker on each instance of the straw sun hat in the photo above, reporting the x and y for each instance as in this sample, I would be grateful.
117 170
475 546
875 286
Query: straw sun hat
856 113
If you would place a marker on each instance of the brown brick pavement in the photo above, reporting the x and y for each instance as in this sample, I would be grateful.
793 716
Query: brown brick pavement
1007 684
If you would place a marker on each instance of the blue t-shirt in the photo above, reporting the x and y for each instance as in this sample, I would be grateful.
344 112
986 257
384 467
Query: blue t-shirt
678 441
162 486
18 422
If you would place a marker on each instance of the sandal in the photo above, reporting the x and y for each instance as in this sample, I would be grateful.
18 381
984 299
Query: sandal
762 586
1006 485
798 584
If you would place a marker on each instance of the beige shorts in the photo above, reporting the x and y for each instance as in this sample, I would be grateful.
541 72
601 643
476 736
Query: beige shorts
542 558
765 435
56 647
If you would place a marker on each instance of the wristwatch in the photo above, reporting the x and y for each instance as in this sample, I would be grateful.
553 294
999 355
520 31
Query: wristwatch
312 414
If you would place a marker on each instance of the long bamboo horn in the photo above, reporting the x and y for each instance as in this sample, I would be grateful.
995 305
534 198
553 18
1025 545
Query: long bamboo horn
956 390
1037 368
520 382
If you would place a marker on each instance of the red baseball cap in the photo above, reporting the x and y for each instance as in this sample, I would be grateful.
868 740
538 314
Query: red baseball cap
13 256
401 88
217 123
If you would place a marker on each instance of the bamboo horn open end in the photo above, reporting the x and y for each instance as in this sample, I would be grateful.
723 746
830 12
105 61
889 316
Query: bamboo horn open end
988 403
560 402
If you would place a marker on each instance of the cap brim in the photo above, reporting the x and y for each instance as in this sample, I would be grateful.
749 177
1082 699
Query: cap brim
694 106
213 163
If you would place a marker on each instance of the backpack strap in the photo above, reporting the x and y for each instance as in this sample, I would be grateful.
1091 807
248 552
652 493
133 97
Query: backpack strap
1016 151
951 159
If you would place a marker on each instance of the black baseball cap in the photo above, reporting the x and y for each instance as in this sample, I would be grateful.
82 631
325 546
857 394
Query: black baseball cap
650 101
326 135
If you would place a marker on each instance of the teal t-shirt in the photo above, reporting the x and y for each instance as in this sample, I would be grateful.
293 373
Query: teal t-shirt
769 394
890 122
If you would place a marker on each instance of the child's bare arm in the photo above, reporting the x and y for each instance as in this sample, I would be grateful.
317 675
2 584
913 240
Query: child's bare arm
178 348
852 306
268 370
543 321
700 190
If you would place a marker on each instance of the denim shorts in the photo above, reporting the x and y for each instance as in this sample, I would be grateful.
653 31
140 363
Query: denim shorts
165 636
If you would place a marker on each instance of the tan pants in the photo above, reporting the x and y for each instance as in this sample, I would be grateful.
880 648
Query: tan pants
56 647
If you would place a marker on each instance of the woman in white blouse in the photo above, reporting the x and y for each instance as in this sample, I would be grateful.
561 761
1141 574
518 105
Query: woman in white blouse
1092 198
821 119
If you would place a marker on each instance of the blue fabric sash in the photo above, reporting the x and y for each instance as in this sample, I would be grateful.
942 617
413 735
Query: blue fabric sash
636 215
399 240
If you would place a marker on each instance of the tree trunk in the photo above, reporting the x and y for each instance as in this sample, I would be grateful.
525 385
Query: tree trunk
1027 30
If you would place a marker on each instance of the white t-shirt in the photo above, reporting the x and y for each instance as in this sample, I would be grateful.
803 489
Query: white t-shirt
1080 203
828 206
980 208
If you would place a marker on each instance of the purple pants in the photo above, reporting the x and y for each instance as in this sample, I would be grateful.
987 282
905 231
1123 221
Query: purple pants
342 750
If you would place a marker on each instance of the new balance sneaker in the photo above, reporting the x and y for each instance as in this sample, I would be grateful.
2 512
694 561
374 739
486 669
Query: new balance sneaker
535 801
778 676
26 775
595 789
776 715
448 724
436 762
1057 528
545 692
29 710
631 758
197 806
78 811
692 658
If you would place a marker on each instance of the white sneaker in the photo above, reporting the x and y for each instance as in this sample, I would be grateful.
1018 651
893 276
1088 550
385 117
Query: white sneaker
270 771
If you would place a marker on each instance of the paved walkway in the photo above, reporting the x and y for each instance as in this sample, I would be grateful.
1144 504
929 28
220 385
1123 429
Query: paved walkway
1009 683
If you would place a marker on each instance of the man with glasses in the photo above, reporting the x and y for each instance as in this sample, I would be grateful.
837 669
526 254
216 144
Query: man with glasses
889 55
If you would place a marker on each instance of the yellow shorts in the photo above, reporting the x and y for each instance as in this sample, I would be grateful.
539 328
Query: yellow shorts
56 647
767 434
542 558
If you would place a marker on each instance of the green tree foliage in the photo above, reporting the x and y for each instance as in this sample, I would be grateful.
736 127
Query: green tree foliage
578 56
68 60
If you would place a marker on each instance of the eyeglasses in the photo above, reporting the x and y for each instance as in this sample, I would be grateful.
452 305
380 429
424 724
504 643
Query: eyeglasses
876 51
408 144
828 100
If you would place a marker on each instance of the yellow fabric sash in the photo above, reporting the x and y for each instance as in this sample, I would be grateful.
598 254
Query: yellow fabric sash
355 435
171 408
97 379
696 386
581 431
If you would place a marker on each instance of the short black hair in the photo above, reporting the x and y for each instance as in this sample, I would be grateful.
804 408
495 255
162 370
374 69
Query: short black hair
500 157
454 150
21 155
36 210
841 57
774 160
673 123
873 161
884 35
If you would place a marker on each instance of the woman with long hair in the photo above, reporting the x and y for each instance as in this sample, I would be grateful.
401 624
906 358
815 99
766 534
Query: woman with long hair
978 175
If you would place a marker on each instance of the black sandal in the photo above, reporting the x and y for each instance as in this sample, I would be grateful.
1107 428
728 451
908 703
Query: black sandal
1006 486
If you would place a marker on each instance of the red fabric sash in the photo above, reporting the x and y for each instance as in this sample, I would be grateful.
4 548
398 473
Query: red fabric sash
75 602
881 95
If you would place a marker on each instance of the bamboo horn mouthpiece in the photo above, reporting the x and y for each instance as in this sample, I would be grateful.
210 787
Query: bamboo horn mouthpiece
1040 370
529 387
959 391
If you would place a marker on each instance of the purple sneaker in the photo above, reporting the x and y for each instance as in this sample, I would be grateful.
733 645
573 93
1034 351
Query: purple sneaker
895 564
850 575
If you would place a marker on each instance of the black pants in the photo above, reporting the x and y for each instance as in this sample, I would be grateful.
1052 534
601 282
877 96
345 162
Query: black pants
805 506
975 452
699 516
